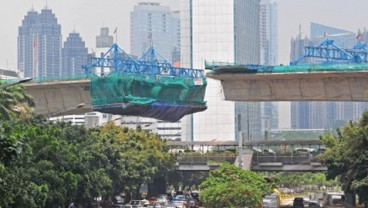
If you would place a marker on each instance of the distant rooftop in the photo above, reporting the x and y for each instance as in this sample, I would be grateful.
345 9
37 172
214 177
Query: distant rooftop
149 3
8 73
318 30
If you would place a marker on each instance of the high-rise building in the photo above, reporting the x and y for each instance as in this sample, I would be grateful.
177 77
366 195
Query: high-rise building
104 40
297 46
175 27
320 30
74 55
39 44
26 43
269 116
154 25
228 31
268 30
322 115
157 26
268 33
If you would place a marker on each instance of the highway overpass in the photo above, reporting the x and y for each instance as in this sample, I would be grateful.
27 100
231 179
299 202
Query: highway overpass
56 98
255 162
64 95
297 86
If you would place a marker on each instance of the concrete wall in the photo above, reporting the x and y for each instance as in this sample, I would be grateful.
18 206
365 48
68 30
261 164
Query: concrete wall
313 86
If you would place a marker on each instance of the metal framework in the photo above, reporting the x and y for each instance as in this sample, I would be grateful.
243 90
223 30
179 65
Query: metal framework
332 54
151 63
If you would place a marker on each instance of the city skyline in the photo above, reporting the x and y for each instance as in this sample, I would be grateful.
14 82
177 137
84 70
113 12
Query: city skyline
81 15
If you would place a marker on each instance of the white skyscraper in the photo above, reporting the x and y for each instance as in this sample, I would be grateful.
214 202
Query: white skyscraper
153 24
218 30
104 40
268 30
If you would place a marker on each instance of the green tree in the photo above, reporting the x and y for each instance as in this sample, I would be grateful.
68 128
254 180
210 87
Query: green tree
136 157
53 164
289 179
346 157
17 187
13 101
230 186
57 163
186 179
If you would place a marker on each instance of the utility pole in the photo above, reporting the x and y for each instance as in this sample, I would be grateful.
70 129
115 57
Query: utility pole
248 133
240 145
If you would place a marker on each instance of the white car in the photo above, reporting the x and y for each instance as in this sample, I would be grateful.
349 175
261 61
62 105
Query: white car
136 204
180 204
163 199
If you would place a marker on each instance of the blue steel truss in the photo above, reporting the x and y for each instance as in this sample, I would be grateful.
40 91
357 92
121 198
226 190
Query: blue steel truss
151 63
330 53
154 57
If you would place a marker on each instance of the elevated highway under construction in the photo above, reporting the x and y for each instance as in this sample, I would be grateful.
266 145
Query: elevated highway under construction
341 75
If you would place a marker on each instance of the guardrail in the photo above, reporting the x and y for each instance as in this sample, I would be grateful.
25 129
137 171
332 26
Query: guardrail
204 160
289 160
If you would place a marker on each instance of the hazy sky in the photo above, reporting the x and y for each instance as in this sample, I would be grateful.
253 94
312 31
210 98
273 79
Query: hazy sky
87 16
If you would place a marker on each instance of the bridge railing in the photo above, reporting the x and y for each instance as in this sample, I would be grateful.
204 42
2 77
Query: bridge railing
204 160
60 78
288 160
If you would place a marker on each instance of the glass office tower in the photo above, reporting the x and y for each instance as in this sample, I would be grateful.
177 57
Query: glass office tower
220 30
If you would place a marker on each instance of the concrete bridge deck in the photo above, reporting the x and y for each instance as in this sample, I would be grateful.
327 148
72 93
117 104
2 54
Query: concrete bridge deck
64 95
297 86
56 98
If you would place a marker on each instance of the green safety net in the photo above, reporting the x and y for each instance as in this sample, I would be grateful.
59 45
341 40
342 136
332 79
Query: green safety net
161 97
48 79
225 67
143 90
60 78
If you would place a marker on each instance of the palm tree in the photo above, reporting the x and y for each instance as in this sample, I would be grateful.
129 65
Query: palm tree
13 101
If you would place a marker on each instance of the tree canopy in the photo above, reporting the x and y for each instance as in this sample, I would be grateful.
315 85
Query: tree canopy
54 164
346 157
230 186
291 179
13 102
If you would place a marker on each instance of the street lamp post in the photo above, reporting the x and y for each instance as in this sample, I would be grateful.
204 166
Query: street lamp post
15 83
